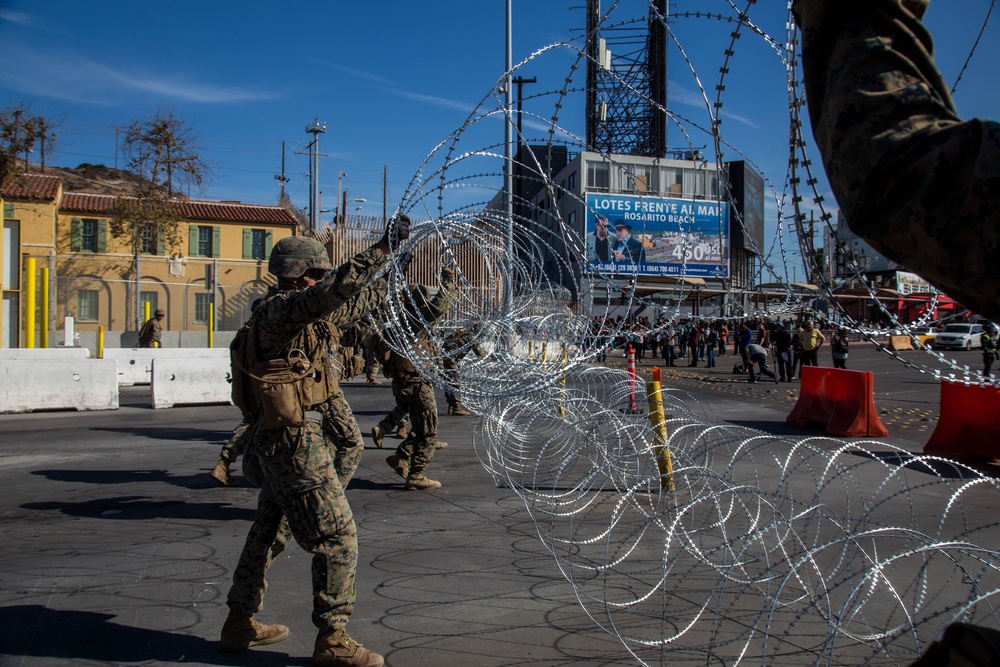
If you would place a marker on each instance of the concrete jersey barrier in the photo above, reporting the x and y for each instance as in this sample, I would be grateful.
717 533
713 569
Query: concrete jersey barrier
135 366
190 381
58 384
23 353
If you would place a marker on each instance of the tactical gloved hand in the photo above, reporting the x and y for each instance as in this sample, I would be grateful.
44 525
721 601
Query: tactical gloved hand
397 231
448 276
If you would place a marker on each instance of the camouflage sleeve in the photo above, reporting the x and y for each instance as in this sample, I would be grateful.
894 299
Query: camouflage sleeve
358 306
322 299
442 301
912 179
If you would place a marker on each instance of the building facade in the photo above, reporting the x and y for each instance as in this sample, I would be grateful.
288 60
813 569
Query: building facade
210 277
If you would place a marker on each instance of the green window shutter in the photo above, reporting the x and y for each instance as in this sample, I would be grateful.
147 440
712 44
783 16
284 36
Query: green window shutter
268 243
102 236
161 243
76 234
216 241
8 210
193 241
247 243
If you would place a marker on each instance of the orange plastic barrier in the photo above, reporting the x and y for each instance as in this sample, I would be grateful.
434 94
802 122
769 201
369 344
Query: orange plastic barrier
839 398
969 425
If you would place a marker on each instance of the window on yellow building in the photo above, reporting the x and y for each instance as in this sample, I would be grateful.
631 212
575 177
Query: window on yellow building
151 242
88 235
257 243
86 305
204 241
201 301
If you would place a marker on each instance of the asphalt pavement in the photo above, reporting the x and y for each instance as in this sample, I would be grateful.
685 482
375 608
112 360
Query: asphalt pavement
116 548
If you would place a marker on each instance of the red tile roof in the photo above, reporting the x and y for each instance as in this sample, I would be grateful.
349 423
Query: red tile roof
37 187
81 202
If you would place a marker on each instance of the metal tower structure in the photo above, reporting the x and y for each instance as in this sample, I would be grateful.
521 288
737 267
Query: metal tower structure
627 82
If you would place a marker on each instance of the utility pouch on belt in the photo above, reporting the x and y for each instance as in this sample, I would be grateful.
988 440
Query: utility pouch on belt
287 387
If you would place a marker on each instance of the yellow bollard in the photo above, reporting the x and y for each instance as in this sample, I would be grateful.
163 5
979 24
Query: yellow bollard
543 351
658 420
562 405
211 323
100 342
531 354
29 302
145 311
44 314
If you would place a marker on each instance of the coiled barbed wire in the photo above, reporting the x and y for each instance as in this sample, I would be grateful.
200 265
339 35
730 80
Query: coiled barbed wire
761 546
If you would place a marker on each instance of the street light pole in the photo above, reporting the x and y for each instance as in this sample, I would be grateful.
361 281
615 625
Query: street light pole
315 128
507 180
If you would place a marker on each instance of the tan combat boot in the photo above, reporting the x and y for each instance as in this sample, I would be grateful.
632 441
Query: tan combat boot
220 473
440 444
401 432
418 482
241 631
401 467
458 410
373 380
335 648
377 435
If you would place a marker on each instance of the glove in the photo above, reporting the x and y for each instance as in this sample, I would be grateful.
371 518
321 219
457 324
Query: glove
397 231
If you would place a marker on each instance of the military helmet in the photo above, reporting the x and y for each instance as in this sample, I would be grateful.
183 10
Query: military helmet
292 256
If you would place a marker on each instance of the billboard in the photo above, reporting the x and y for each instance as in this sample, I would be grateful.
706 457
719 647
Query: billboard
657 236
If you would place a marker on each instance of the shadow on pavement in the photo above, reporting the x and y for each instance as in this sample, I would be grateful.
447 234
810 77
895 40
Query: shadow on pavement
136 508
933 466
200 481
173 433
33 630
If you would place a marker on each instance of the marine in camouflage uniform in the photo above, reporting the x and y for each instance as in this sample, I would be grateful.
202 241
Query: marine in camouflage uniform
413 392
299 479
913 179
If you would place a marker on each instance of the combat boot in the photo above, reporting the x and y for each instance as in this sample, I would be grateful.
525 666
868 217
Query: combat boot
418 482
401 467
373 380
401 432
440 444
335 648
220 473
241 631
377 435
458 410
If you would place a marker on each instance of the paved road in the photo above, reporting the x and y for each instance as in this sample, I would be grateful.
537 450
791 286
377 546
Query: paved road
116 548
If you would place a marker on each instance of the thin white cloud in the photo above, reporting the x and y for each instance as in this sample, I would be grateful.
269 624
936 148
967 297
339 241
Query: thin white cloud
348 70
678 94
73 77
15 17
429 99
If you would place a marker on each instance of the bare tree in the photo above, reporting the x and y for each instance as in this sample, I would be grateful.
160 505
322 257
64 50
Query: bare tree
19 131
162 151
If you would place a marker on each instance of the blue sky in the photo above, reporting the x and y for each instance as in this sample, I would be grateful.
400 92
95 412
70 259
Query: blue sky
391 80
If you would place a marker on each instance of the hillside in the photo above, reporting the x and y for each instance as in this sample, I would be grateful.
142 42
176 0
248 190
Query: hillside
93 178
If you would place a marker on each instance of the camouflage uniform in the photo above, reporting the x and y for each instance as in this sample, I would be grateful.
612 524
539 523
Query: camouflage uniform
151 333
416 395
911 177
300 483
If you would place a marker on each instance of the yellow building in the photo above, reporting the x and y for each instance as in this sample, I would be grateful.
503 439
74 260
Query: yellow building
29 224
216 273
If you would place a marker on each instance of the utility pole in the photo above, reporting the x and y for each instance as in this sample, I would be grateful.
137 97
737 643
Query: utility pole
281 178
508 143
519 167
315 128
340 195
385 193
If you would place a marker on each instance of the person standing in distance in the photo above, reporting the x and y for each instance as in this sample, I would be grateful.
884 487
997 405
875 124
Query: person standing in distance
299 479
812 339
152 330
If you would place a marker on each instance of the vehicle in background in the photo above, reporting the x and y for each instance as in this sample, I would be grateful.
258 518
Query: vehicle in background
959 336
925 335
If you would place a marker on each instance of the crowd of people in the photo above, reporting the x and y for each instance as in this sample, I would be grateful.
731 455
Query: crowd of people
792 343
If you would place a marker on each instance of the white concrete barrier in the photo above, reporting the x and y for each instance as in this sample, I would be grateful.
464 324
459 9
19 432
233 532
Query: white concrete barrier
190 381
135 366
58 384
22 353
